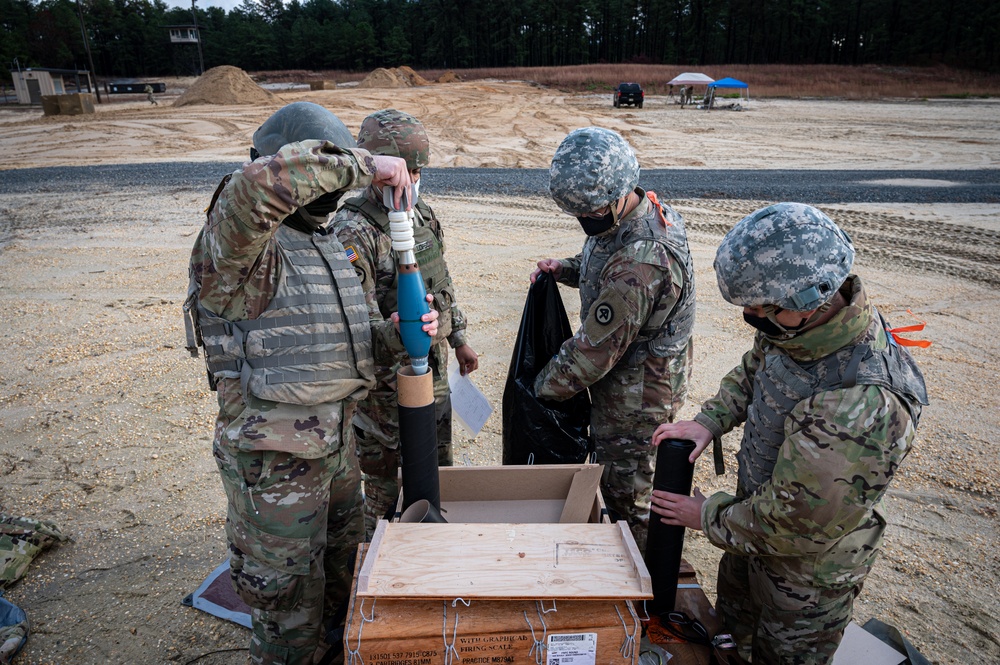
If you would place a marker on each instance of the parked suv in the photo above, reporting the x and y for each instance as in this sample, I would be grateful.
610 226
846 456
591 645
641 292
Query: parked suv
628 93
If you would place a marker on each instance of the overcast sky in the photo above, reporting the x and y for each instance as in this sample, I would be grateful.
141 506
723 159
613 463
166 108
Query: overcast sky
225 4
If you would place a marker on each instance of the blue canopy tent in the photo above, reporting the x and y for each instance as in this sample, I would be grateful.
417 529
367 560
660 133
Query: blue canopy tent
727 83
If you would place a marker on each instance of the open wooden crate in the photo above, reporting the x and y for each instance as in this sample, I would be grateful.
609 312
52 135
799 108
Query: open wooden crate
528 569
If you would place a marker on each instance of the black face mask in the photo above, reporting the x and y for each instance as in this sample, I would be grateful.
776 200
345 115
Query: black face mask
763 324
317 210
770 328
324 205
595 227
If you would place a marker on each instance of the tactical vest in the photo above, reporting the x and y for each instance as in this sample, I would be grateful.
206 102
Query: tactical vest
426 249
665 333
780 384
313 342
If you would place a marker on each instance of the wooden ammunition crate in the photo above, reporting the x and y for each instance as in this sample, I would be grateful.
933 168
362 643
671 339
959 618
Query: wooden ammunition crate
391 631
527 564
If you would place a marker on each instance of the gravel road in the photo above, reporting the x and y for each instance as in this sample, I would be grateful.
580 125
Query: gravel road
910 186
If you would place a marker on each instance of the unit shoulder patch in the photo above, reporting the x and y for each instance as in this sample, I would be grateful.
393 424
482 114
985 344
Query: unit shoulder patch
604 313
606 316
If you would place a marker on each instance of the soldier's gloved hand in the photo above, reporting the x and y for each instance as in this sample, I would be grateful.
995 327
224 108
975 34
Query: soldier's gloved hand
684 429
553 266
468 360
430 319
392 172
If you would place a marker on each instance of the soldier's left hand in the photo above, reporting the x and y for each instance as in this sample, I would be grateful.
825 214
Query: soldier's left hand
430 319
678 509
691 430
392 172
468 360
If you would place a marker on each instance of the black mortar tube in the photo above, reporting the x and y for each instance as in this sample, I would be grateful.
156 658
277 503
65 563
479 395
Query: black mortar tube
664 543
418 438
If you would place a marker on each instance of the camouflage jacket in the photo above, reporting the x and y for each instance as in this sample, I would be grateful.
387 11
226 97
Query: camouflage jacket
234 265
639 280
21 540
819 517
375 263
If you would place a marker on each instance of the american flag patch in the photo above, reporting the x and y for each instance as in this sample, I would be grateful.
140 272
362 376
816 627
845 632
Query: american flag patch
352 256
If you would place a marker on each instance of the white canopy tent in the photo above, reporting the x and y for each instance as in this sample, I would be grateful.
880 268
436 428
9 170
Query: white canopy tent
691 78
687 81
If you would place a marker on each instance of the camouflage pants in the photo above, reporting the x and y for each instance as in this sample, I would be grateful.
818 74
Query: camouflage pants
627 481
778 622
293 526
377 433
627 408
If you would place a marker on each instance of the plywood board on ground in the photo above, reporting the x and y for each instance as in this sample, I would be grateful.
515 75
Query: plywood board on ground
504 561
389 631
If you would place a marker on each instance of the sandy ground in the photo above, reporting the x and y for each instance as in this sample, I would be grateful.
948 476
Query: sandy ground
498 124
106 421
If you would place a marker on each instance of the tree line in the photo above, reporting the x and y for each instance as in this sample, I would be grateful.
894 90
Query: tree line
129 38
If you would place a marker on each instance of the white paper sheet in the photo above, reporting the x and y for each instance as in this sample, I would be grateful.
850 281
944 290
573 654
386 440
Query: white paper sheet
860 646
468 404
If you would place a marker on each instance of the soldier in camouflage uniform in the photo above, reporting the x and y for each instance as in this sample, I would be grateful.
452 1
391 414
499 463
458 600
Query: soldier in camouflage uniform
633 350
362 225
282 318
830 403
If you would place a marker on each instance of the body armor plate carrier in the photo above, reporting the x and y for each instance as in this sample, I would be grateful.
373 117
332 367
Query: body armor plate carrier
312 344
665 333
781 383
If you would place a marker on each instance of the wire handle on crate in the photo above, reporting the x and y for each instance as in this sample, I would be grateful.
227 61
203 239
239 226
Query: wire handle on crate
627 649
538 648
449 649
540 605
354 655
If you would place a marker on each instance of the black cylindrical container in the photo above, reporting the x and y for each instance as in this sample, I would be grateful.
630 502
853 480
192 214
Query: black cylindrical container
422 511
418 438
664 542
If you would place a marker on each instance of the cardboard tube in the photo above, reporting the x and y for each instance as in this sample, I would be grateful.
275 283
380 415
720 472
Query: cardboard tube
414 391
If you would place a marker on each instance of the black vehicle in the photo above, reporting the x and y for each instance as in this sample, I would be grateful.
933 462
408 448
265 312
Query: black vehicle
628 94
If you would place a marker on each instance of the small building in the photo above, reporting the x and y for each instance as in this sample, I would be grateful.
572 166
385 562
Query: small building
183 34
31 84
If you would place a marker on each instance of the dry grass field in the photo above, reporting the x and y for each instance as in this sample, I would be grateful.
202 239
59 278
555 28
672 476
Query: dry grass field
766 81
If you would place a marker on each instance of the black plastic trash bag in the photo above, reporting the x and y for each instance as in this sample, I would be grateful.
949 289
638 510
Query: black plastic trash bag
542 431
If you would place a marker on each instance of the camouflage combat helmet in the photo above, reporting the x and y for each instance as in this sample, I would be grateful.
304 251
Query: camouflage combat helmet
592 167
397 134
789 255
300 121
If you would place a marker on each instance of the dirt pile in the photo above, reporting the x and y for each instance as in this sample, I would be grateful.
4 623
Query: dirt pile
225 85
411 76
402 77
448 77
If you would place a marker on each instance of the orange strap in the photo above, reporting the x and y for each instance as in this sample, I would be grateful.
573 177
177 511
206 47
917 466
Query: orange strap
922 343
651 195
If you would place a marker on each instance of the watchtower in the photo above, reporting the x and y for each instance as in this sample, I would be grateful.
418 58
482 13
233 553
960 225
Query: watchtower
186 60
